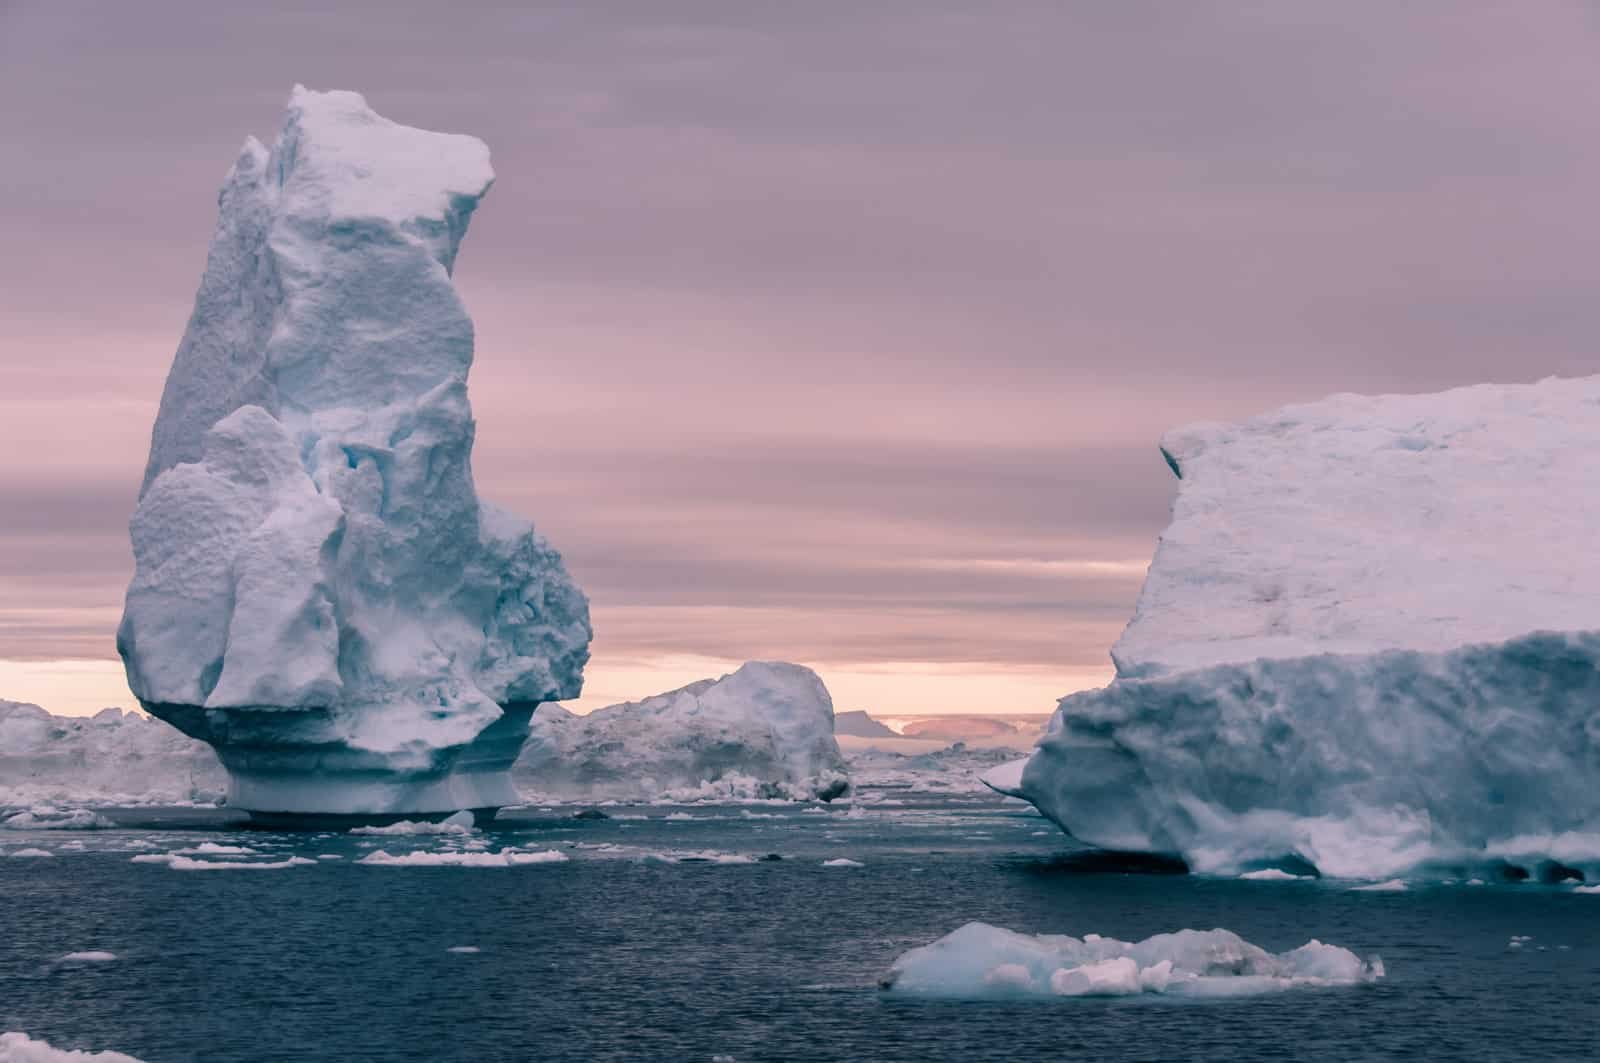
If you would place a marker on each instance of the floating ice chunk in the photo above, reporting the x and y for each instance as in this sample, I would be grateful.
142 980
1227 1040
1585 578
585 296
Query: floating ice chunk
47 817
91 956
1587 889
17 1047
1393 885
215 849
842 862
459 823
464 950
980 960
329 856
503 858
1271 874
32 852
184 863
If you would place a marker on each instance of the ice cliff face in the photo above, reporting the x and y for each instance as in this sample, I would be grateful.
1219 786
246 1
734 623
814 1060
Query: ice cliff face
765 730
1368 640
110 758
319 593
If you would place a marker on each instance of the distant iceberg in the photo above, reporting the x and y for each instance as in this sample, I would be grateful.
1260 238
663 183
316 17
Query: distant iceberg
113 757
763 731
1369 640
983 961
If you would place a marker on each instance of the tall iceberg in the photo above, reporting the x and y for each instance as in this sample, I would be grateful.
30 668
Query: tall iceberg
1369 639
319 593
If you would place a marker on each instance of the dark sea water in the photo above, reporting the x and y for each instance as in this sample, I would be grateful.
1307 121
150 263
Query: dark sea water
612 956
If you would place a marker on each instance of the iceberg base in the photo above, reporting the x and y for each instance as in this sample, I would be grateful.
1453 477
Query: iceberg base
304 767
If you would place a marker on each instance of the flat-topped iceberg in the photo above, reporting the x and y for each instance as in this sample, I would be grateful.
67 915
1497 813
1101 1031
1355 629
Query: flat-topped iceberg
319 593
1368 640
763 731
983 961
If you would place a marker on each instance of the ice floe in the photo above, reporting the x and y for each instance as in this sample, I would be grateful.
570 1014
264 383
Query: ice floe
983 961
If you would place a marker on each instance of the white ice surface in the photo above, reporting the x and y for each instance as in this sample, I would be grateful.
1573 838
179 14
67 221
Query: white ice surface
983 961
457 823
317 585
503 858
1369 640
763 731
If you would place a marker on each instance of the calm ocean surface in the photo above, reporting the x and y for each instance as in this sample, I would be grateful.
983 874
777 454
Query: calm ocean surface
614 955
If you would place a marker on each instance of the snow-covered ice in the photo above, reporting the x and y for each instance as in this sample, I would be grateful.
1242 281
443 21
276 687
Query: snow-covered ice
1368 640
184 863
216 849
503 858
49 817
31 852
982 961
762 731
456 823
319 593
113 757
842 861
89 956
18 1047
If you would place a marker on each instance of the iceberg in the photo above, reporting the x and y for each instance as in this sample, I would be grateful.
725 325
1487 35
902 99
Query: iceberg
762 731
983 961
1368 641
113 757
318 592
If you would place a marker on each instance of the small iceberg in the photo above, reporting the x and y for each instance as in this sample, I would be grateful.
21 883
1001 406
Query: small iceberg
460 823
981 961
503 858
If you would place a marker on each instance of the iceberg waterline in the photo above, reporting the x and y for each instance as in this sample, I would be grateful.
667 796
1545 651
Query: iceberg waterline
760 733
319 593
1368 642
983 961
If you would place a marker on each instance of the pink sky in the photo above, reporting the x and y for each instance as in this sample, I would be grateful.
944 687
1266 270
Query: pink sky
811 334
